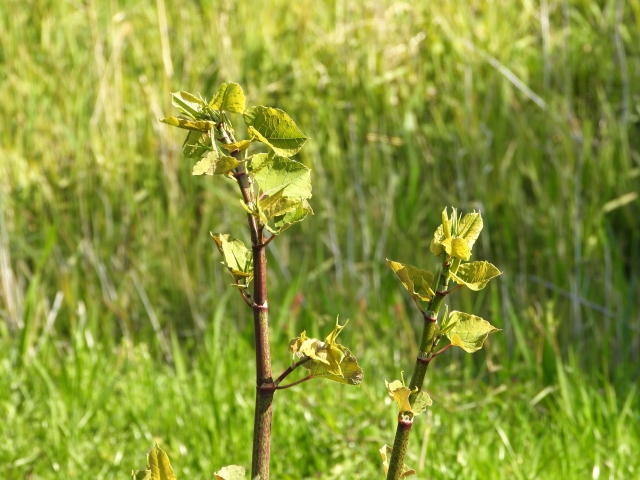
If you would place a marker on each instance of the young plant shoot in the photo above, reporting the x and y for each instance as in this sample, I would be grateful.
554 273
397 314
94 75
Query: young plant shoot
452 242
274 191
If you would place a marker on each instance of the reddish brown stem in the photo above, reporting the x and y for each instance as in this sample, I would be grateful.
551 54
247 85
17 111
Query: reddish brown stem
297 382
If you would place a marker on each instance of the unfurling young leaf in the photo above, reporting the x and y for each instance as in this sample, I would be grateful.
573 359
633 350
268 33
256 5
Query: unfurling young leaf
401 393
385 452
237 258
468 331
456 236
475 275
158 467
229 97
416 281
275 128
231 472
328 359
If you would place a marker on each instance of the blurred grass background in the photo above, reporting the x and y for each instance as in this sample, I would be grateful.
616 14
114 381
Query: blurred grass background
118 325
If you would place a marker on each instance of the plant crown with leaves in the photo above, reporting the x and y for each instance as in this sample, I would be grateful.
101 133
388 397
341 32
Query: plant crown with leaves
453 241
275 192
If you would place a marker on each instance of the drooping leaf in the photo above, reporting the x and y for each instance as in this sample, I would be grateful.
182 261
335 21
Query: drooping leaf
275 172
231 472
328 359
229 97
212 164
470 227
237 258
187 103
196 144
468 332
385 452
188 124
158 467
275 128
475 275
416 281
240 146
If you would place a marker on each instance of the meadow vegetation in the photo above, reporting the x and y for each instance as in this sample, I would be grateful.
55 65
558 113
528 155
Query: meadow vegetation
118 327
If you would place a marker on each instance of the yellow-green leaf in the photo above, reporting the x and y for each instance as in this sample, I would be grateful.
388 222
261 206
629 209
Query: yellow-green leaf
231 472
400 394
416 281
281 222
212 164
187 103
229 97
278 171
385 452
328 359
158 466
469 332
275 128
421 402
458 248
240 146
196 144
470 227
188 124
237 258
475 275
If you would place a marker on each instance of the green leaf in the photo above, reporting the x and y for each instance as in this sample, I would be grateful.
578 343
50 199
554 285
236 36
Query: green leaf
229 97
416 281
470 227
275 128
328 359
240 146
237 258
421 402
188 124
282 222
385 452
231 472
212 164
468 332
475 275
273 173
158 467
196 144
187 103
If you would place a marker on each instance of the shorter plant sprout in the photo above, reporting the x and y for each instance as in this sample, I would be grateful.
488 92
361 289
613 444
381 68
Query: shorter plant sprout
274 191
453 242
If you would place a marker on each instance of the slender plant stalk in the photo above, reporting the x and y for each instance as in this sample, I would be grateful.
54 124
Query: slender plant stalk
265 387
425 355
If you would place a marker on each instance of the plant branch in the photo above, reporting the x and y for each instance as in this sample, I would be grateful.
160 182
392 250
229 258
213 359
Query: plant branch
442 350
297 382
246 297
291 368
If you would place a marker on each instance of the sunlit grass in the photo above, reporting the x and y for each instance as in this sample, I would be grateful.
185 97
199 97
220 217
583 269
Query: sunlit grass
526 111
